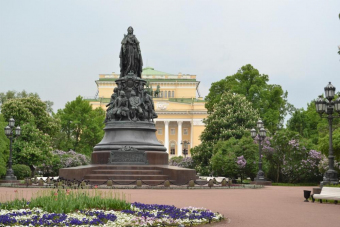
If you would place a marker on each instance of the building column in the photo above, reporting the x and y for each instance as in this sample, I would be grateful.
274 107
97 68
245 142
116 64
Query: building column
166 136
191 133
179 138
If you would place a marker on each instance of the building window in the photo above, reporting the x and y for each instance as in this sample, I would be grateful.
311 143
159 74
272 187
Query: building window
160 131
173 94
185 131
172 148
172 131
165 93
169 94
161 94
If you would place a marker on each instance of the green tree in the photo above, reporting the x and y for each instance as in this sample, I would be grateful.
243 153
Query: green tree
4 148
269 99
31 109
323 144
315 129
306 122
23 94
225 153
34 146
233 116
282 151
81 127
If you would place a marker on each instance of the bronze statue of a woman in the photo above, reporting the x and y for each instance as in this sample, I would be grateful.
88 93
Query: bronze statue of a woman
130 55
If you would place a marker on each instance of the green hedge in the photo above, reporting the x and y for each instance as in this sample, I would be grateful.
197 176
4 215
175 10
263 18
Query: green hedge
21 171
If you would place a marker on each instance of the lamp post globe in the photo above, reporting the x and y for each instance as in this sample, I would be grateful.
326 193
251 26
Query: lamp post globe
263 133
18 131
337 105
11 122
259 124
185 147
320 105
8 131
253 133
329 91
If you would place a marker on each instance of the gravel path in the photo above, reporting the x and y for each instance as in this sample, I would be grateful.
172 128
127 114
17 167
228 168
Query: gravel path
272 206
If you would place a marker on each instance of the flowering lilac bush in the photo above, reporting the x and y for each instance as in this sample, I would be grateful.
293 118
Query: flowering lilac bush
64 159
241 162
71 158
289 160
186 162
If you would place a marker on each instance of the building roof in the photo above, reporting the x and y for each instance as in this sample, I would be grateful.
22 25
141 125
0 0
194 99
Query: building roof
152 71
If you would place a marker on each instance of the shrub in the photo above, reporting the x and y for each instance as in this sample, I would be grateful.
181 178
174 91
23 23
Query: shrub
71 158
63 159
174 161
181 162
21 171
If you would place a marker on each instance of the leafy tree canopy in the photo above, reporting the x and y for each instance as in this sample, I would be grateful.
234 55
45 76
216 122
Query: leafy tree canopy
4 149
269 99
305 122
225 153
81 126
34 146
4 97
233 116
30 109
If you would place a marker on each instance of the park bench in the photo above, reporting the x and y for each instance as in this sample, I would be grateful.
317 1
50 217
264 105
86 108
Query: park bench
328 193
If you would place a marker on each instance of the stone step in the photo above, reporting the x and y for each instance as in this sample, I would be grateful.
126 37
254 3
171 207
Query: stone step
127 171
125 177
123 167
127 182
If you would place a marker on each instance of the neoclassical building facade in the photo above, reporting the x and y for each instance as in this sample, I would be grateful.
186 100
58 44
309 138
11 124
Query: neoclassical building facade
180 109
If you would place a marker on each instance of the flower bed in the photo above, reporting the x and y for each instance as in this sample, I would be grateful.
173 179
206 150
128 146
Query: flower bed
139 215
84 208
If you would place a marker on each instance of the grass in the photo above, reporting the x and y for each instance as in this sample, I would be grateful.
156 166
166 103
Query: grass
68 201
296 184
332 185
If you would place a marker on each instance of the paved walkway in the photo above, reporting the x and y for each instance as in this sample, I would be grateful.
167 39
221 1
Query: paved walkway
272 206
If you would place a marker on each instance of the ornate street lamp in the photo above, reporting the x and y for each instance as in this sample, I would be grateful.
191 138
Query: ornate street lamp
326 110
11 134
260 137
185 147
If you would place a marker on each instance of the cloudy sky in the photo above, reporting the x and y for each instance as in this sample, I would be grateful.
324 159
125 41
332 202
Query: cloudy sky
58 48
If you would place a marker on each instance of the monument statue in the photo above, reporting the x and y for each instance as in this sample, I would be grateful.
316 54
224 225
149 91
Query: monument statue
130 55
149 106
158 90
130 131
111 110
122 104
130 101
136 110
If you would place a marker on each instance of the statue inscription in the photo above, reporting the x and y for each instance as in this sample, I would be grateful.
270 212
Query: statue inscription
128 155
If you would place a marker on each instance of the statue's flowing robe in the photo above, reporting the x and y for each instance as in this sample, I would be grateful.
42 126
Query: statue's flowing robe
130 56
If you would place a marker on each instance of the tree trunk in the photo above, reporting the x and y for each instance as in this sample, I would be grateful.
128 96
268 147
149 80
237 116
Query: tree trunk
278 174
32 170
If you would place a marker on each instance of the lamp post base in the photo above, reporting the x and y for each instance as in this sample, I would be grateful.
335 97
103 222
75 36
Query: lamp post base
261 182
260 176
10 175
330 177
